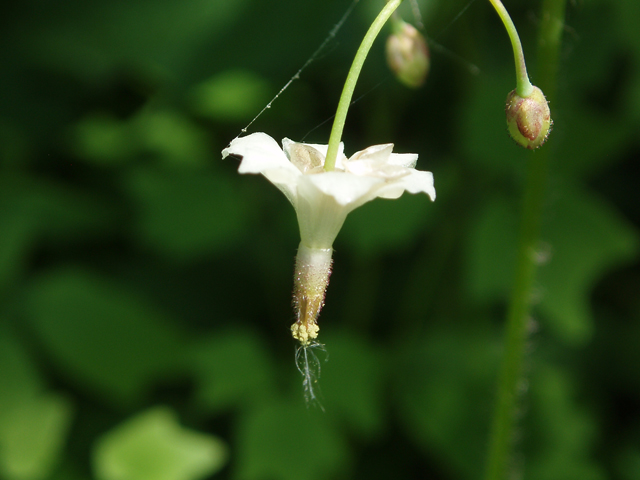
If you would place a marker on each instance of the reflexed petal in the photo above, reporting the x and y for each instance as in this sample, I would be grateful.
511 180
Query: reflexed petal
261 154
417 181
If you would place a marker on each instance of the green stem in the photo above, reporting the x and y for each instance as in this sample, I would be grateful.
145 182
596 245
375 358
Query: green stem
350 83
551 27
523 85
511 375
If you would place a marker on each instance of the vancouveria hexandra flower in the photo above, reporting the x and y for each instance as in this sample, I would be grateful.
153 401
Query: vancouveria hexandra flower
322 200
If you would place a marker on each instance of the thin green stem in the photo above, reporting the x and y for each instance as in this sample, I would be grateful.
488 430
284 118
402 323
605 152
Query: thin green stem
523 85
511 375
350 83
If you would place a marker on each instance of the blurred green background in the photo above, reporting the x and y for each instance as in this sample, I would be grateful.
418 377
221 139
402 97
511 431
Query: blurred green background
145 286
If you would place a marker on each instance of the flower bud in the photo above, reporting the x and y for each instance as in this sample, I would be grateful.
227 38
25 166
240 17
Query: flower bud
408 55
529 118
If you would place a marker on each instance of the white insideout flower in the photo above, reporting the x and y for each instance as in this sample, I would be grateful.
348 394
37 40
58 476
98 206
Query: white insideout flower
323 199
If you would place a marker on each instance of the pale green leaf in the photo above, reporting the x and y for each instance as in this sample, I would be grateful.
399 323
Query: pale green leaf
232 95
154 446
32 435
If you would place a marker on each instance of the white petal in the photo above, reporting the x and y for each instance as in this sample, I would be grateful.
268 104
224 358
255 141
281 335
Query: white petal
261 154
375 169
345 188
320 218
416 182
376 153
407 160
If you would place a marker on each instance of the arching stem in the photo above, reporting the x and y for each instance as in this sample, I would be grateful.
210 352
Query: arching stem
350 83
523 85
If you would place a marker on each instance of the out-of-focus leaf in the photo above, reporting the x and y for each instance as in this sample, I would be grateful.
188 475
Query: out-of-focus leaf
103 139
483 129
102 336
18 230
57 211
594 116
19 379
70 471
91 40
165 134
578 154
33 209
445 396
626 11
233 95
281 439
33 424
491 250
15 146
629 464
564 433
153 446
352 383
172 136
32 435
186 214
232 369
583 237
587 238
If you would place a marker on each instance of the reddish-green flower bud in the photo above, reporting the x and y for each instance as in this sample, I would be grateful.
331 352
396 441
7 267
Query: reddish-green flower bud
529 118
408 55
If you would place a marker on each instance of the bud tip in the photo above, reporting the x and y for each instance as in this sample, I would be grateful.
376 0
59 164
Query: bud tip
408 55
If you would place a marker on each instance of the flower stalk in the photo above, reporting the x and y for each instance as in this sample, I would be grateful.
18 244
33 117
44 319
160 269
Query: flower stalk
523 85
352 79
519 311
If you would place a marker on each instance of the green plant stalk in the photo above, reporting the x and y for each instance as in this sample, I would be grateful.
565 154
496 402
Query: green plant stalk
518 316
350 82
551 27
523 85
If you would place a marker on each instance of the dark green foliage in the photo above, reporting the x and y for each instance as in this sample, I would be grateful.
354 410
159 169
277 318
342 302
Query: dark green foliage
145 285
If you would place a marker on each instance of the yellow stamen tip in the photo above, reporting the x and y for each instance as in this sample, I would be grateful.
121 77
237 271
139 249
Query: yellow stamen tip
304 333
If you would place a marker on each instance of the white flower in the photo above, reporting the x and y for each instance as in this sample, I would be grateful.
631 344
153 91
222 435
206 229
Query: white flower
322 201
